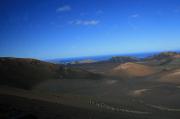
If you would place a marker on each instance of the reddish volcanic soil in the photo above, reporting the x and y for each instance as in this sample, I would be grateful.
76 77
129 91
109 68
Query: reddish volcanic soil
133 70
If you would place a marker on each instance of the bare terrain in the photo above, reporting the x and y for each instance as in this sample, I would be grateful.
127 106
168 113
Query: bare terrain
126 88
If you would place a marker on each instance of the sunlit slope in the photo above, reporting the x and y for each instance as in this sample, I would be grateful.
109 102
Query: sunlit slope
132 70
171 77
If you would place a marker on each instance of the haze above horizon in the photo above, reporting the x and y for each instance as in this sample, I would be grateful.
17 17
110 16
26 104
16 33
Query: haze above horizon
69 28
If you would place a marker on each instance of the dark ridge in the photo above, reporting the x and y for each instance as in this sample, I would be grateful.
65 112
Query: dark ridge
24 73
123 59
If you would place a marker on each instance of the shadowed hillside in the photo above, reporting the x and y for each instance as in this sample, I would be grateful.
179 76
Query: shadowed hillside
24 73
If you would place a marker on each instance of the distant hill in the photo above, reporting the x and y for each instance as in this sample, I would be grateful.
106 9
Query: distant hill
123 59
20 72
163 58
164 55
83 61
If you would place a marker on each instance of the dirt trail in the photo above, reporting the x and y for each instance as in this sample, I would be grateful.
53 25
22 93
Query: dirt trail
161 108
116 109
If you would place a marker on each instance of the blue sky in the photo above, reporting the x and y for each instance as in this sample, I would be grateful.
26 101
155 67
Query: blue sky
73 28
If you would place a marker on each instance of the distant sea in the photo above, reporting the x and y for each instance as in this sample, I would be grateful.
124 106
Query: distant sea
101 57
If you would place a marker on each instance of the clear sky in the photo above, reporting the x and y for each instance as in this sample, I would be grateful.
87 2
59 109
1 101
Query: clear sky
73 28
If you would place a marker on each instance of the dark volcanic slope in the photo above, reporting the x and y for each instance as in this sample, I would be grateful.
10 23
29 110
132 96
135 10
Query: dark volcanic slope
25 73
